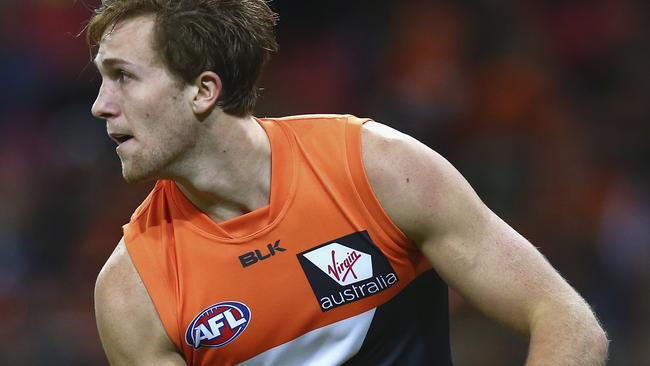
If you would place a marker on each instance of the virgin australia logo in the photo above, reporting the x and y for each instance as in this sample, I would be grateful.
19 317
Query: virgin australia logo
346 269
344 265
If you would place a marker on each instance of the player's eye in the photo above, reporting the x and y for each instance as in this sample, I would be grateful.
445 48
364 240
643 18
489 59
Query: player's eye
122 76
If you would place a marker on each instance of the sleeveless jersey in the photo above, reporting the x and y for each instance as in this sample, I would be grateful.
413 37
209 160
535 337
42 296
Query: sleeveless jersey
320 276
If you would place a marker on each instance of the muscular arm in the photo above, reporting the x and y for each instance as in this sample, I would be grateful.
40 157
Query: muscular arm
128 324
477 253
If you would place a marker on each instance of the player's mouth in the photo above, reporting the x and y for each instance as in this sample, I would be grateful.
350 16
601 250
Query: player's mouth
120 138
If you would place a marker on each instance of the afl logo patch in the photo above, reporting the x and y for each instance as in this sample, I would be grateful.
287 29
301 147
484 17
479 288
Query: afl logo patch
218 325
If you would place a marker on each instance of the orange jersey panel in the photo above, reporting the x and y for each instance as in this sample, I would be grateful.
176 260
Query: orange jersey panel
303 280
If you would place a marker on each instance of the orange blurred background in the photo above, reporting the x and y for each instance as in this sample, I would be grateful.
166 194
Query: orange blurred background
543 106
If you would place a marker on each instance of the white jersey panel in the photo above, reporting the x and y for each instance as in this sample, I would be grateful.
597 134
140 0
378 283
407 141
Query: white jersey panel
326 346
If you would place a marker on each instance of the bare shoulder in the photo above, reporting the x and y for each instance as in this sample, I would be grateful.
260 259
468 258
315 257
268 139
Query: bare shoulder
417 187
473 250
129 327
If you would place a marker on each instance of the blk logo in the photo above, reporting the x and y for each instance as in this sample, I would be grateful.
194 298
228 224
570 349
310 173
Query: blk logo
257 255
218 325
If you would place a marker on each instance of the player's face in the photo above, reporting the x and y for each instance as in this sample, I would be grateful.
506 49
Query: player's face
147 112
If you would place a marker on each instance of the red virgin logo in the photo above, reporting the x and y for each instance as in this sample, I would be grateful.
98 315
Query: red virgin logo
344 268
342 264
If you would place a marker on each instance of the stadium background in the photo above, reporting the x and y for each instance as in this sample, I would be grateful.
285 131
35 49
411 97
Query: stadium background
542 105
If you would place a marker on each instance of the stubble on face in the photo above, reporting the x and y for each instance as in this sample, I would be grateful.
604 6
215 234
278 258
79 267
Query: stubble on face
164 148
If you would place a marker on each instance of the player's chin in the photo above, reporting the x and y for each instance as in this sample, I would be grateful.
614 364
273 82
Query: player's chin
131 175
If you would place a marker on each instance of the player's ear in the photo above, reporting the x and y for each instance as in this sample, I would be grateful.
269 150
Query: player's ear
207 91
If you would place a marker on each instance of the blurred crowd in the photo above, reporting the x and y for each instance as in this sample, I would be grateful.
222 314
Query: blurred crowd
543 105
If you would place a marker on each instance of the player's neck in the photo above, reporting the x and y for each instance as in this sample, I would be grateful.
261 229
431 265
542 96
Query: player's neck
231 172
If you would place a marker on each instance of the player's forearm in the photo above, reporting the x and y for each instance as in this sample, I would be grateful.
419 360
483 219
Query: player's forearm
568 336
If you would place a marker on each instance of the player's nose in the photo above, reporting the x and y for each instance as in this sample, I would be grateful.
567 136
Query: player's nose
104 106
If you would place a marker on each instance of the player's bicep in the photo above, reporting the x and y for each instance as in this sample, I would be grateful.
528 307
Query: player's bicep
473 250
129 328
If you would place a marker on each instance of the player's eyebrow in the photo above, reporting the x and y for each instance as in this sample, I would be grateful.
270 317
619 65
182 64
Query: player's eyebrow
110 62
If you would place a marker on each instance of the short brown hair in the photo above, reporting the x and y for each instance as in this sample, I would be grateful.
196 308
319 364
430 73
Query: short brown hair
233 38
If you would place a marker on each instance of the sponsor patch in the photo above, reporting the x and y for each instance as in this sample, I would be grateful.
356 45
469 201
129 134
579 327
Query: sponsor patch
346 269
218 325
